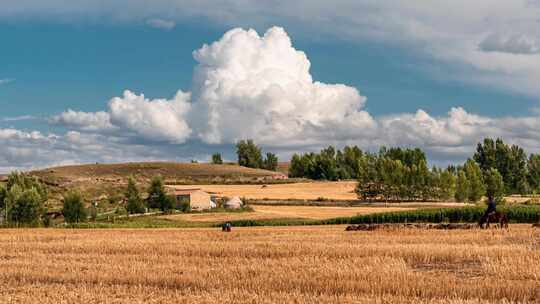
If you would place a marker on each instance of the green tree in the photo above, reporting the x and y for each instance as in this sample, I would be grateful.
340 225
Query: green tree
475 179
270 162
494 184
447 185
462 187
26 206
22 199
3 194
249 154
156 193
216 159
73 209
134 203
533 166
168 203
296 167
510 161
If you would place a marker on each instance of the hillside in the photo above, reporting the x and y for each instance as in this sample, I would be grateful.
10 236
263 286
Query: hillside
97 180
171 172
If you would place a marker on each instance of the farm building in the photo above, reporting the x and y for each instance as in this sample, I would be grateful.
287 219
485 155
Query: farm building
196 198
234 203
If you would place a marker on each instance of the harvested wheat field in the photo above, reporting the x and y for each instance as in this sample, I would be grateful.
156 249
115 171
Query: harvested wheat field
300 191
265 212
270 265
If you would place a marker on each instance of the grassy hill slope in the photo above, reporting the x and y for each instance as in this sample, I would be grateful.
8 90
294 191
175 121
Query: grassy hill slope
99 180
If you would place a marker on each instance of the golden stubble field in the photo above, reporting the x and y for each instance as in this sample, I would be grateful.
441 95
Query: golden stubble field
301 191
270 265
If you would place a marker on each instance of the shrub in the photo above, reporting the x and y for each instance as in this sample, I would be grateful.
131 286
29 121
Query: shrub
73 210
134 203
22 199
156 193
216 159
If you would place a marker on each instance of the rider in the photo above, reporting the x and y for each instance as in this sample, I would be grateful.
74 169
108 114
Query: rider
492 206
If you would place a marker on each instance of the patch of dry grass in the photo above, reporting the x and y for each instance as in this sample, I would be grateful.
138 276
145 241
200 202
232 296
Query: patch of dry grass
301 191
264 212
270 265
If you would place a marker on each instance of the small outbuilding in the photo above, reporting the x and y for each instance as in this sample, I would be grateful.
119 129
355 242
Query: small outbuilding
196 198
234 203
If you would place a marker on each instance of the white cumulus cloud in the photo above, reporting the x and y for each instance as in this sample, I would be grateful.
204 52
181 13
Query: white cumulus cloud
157 119
134 115
246 85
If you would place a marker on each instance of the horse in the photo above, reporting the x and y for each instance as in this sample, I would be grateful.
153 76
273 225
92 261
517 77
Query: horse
494 217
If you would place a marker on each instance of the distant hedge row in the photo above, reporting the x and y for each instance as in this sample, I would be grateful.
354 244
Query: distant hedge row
516 214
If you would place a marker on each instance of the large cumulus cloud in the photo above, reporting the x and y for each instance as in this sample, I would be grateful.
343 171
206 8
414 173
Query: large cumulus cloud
246 85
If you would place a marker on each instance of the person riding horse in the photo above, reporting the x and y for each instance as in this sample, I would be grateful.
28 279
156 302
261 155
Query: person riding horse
492 206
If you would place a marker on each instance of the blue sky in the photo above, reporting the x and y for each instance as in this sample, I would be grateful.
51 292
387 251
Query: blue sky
56 56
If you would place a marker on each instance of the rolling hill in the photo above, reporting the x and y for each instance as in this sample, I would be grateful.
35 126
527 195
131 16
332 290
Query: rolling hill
99 180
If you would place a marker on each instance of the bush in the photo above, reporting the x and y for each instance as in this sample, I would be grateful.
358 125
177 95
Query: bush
167 203
73 210
156 193
216 159
134 203
23 199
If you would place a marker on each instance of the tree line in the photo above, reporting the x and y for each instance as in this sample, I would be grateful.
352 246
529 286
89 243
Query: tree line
250 155
495 169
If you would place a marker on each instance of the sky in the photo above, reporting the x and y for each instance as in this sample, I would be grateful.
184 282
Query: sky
88 81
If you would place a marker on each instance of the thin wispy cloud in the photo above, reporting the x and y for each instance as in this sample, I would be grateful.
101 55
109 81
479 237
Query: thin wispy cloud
161 24
18 118
6 81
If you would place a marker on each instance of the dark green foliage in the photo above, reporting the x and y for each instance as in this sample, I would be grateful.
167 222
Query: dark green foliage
73 210
462 187
46 219
134 203
402 174
156 193
216 159
270 162
329 164
475 180
249 154
3 194
533 176
408 157
447 184
23 199
25 206
168 203
510 162
516 214
494 184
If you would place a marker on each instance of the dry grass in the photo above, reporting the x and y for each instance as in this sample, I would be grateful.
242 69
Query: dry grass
270 265
280 212
112 172
300 191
